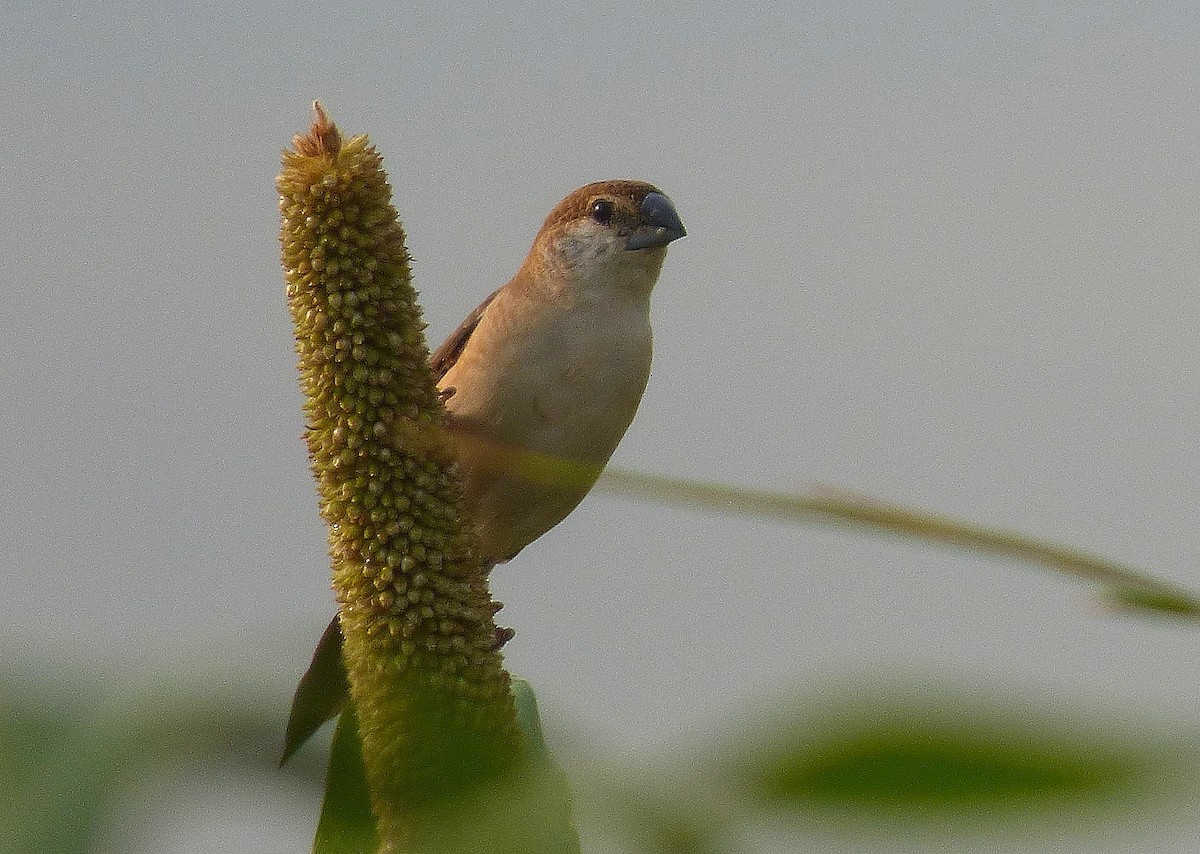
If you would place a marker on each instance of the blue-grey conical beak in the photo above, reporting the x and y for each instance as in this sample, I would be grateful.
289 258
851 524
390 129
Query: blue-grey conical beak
660 224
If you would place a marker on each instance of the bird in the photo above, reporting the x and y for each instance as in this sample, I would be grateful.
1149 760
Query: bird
551 366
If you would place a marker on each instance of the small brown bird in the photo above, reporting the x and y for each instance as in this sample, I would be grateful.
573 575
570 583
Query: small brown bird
551 366
555 362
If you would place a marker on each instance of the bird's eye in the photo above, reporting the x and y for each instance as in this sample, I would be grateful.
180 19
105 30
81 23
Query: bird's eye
602 211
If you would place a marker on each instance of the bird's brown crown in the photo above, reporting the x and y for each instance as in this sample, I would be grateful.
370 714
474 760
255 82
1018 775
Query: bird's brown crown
627 197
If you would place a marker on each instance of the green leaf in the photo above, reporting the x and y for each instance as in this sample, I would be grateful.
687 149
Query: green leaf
527 718
322 693
530 812
1130 588
347 825
72 752
61 759
1159 602
929 766
941 756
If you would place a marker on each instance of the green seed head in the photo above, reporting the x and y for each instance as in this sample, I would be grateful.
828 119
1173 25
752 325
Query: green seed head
433 699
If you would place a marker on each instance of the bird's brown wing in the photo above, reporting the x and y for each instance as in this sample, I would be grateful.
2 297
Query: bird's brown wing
445 356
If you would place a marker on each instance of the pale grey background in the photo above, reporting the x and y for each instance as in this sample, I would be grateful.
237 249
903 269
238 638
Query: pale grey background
944 254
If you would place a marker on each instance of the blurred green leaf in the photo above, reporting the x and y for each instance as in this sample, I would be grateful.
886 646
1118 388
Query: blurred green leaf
1126 585
914 766
70 749
917 751
322 693
655 817
57 770
528 719
347 825
944 755
27 739
1159 602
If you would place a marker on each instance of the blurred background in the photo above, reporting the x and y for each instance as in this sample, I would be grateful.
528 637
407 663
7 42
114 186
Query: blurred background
941 254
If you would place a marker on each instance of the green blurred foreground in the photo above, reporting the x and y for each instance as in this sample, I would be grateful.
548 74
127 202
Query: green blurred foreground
864 766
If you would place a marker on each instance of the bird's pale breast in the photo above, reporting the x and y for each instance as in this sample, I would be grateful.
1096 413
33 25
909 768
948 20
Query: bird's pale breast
561 381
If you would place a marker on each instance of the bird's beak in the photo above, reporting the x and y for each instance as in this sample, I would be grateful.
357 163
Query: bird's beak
660 224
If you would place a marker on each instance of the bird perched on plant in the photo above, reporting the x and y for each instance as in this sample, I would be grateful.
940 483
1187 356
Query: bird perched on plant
540 382
555 362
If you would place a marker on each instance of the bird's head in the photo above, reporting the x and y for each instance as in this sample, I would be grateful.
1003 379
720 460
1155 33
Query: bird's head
608 234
